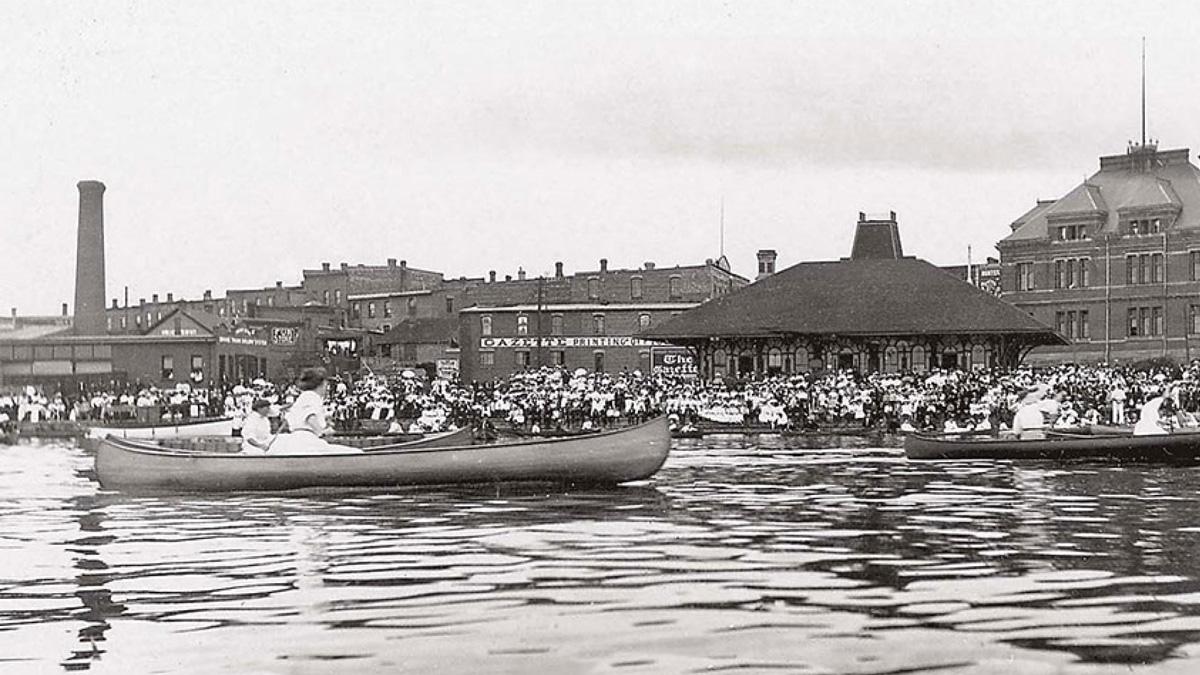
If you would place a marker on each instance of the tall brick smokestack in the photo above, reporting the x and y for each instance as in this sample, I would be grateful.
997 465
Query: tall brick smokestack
89 260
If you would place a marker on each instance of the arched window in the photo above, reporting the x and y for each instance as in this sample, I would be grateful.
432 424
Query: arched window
485 325
673 288
598 324
920 363
593 288
643 320
522 325
635 288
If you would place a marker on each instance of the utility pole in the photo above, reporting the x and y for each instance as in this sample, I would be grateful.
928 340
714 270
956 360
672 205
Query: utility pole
541 284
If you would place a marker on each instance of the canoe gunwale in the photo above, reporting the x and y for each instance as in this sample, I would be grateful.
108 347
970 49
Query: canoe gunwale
149 447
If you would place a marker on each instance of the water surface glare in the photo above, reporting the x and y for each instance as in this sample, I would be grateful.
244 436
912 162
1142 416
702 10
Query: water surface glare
745 554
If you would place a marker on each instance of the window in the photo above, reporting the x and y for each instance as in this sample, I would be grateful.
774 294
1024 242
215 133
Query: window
449 305
558 357
598 362
197 367
598 324
370 310
1144 226
1060 277
556 324
271 301
485 325
522 325
487 358
635 288
387 308
337 296
1156 268
673 288
1194 316
594 288
1085 272
643 320
1144 268
110 324
325 297
385 327
124 323
411 306
1025 276
168 367
1145 321
521 357
356 309
1072 232
1060 322
774 360
1085 330
1194 259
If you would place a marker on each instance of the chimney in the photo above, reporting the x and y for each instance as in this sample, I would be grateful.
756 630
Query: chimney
403 264
114 303
64 309
89 261
508 277
154 298
604 264
391 262
14 314
766 263
278 284
208 295
492 276
141 302
324 267
521 273
649 265
558 270
345 266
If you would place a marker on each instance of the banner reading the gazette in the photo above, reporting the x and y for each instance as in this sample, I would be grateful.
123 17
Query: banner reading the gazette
564 342
673 361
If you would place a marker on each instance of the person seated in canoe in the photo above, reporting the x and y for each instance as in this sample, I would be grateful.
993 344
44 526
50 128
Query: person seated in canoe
256 432
1157 416
1029 424
307 421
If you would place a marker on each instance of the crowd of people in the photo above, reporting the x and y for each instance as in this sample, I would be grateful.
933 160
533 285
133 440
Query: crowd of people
550 400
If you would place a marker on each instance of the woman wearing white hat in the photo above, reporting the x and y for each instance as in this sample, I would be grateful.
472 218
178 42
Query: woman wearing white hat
1028 423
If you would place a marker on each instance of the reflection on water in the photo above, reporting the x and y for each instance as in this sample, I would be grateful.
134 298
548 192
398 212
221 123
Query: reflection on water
744 554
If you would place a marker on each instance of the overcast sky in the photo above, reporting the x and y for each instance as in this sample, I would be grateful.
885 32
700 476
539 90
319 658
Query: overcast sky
242 142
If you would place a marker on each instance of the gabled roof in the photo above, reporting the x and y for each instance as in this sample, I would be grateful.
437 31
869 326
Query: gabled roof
191 322
1084 199
905 296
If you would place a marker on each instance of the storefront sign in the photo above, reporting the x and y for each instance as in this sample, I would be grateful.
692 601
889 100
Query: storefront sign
671 361
285 336
564 342
447 369
252 342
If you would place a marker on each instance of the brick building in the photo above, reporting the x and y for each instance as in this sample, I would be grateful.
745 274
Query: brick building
1114 264
590 319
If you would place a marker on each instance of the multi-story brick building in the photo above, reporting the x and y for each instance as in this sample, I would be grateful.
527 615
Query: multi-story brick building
590 319
1114 265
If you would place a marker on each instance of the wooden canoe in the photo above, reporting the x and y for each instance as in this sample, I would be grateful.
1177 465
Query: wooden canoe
208 426
1082 444
612 457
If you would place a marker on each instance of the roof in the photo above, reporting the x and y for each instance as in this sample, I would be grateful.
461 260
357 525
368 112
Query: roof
33 332
389 294
194 320
1145 180
904 296
421 331
584 307
876 239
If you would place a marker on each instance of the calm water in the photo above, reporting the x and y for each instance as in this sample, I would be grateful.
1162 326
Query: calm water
742 555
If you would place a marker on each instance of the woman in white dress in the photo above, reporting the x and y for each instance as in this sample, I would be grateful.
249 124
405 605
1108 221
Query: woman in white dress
307 421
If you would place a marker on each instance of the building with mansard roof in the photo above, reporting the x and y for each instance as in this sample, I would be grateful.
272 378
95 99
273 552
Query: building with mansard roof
1114 264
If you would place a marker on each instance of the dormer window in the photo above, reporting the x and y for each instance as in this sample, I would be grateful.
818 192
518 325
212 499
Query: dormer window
1072 232
1139 226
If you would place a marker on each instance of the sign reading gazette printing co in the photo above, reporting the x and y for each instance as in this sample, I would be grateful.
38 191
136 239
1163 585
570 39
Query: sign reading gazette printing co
561 342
